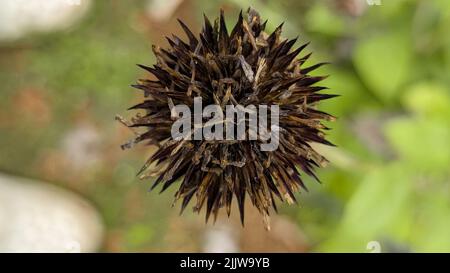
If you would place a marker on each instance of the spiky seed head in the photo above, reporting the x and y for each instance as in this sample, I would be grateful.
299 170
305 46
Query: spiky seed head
244 66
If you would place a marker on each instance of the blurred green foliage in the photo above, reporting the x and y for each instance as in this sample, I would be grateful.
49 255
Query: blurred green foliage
393 70
389 178
401 80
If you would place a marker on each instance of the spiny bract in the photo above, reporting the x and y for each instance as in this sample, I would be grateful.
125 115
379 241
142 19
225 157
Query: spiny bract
246 66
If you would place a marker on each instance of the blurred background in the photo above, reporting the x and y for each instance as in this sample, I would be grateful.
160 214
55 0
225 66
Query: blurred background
65 71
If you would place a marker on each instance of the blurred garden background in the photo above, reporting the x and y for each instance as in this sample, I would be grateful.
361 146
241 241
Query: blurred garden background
63 81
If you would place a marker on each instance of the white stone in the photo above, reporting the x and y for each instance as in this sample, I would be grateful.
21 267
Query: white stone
20 17
39 217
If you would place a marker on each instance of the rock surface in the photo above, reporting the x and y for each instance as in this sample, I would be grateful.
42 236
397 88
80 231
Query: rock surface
20 17
39 217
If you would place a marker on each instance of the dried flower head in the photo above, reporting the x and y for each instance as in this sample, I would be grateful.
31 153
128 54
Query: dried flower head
245 66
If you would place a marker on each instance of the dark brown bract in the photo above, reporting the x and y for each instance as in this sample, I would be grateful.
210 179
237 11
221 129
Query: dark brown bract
245 66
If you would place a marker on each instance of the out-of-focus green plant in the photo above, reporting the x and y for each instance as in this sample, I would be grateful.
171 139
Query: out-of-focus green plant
391 177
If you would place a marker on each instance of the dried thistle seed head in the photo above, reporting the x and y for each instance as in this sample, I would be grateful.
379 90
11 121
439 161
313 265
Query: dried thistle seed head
242 67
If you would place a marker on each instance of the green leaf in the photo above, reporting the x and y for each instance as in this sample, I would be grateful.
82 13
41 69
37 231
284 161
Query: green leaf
383 62
428 99
353 96
444 6
431 228
423 143
377 201
321 19
373 210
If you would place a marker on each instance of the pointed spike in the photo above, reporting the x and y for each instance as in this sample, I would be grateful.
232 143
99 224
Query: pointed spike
241 203
224 39
305 58
144 67
238 27
157 181
207 25
304 46
274 37
186 201
223 27
307 81
313 67
170 41
287 47
263 25
319 97
192 39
